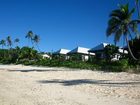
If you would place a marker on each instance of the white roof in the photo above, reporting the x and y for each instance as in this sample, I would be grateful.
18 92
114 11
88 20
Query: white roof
121 51
62 51
80 50
91 53
99 47
46 56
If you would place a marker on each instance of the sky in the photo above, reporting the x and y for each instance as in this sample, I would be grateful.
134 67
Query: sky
59 23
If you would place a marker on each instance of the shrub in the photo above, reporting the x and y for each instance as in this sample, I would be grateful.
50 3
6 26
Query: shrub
116 66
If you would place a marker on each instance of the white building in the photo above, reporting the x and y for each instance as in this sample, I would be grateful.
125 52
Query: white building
46 56
99 51
99 47
62 52
123 51
82 52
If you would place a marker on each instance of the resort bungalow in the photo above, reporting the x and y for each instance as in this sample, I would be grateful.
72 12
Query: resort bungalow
80 53
118 55
62 53
99 51
46 56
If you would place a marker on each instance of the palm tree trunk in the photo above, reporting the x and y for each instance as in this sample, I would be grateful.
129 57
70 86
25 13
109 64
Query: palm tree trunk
38 47
32 43
8 52
127 41
123 44
28 43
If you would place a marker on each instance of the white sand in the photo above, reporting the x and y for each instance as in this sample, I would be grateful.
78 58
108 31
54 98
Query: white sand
25 85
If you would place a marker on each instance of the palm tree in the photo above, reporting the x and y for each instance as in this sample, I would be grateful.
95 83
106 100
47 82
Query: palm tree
9 44
30 36
2 43
120 24
28 53
9 41
16 40
36 40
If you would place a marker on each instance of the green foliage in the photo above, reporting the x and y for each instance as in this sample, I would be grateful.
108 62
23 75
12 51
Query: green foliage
59 57
80 65
110 51
28 53
33 38
75 57
116 66
29 56
2 43
9 41
17 55
135 46
121 24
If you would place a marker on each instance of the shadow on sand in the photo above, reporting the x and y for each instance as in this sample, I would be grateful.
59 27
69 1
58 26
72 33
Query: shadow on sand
40 70
89 81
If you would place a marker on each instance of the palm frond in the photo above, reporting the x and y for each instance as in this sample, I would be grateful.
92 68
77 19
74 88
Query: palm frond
116 13
114 21
36 38
118 34
134 27
111 30
136 21
131 12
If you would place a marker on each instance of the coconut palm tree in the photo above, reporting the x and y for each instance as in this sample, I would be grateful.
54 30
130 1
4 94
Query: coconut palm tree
16 40
30 36
9 44
121 24
36 40
2 43
9 41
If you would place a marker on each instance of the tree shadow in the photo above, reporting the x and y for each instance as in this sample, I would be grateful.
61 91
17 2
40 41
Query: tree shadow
90 81
38 70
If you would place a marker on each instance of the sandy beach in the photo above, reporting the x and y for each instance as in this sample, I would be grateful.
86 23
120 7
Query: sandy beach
26 85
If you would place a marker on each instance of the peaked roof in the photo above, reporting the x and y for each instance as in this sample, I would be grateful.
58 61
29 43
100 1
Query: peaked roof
61 51
81 50
46 55
99 47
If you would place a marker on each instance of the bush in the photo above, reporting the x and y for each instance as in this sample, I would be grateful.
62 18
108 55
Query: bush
6 61
116 66
29 56
70 64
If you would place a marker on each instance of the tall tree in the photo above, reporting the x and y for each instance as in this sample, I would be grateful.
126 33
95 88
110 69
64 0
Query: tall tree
30 36
16 41
121 24
2 43
36 40
9 42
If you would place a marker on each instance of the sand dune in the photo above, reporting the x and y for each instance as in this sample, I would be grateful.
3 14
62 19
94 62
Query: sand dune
26 85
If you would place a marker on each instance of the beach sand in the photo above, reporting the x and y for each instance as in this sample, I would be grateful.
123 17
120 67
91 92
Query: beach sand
26 85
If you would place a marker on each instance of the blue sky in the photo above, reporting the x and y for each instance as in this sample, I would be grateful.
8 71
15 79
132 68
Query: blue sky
59 23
